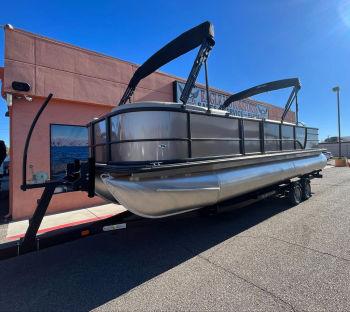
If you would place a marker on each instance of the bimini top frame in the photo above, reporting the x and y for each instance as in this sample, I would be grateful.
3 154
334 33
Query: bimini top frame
266 87
201 35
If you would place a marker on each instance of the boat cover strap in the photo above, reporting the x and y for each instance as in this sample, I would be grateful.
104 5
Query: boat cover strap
182 44
266 87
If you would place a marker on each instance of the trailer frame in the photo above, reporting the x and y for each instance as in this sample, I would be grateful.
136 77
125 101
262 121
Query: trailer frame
33 242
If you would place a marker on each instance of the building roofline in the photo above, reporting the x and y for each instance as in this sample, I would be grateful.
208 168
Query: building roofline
99 54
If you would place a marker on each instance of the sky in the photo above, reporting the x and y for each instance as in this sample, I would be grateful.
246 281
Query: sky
256 41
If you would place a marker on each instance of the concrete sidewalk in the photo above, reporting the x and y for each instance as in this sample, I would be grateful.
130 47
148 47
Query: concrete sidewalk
16 229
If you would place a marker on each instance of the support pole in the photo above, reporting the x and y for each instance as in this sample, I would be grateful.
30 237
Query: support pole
339 134
29 241
296 109
207 85
337 89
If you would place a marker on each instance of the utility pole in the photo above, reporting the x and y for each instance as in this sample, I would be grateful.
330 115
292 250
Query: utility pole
337 89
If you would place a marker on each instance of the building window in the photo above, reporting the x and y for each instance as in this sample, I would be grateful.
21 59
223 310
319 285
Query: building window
68 143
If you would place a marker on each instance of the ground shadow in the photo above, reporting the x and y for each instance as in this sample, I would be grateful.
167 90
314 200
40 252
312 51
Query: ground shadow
4 206
85 274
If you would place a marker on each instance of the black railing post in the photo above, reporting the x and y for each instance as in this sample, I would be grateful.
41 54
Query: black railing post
241 134
189 136
262 137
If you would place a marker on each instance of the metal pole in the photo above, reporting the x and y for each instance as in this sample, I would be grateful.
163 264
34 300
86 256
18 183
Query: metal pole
296 109
339 137
207 84
337 89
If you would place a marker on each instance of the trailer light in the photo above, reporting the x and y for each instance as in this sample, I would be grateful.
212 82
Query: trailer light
85 233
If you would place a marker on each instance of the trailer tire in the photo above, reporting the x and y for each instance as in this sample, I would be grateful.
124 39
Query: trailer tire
295 193
306 188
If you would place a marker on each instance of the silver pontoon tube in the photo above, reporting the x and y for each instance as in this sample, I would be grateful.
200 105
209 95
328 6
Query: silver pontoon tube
155 198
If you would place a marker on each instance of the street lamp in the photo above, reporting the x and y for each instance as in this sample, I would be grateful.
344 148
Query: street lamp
337 89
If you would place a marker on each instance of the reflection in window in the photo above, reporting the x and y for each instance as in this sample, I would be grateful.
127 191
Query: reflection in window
203 126
251 136
300 137
271 131
148 125
287 132
287 137
252 146
272 137
100 132
68 143
312 138
272 145
100 154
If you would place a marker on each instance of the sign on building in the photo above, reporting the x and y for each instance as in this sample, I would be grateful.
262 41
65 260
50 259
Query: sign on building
244 108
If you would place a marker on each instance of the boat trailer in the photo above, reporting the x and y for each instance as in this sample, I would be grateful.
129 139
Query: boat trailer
78 179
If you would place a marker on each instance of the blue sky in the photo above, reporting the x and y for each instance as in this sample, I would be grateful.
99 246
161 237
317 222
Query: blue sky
256 41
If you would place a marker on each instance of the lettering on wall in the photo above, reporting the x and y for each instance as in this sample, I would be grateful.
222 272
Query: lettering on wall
244 108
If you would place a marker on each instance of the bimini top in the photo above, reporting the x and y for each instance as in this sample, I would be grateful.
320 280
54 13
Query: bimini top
267 87
201 35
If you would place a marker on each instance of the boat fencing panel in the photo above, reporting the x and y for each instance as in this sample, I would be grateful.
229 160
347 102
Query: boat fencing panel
300 137
272 140
173 135
311 138
287 135
100 139
148 135
214 136
252 142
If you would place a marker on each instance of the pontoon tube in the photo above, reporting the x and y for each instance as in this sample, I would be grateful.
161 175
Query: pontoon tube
155 198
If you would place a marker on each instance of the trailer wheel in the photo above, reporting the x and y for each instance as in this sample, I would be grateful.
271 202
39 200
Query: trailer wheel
306 187
295 194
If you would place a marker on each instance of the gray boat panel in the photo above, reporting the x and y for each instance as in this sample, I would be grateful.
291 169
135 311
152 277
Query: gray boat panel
155 198
214 148
148 125
204 126
154 150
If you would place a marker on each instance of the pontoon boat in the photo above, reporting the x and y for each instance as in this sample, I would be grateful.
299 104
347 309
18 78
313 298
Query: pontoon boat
159 159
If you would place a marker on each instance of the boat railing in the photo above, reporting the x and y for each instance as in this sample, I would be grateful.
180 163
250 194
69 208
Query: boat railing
184 135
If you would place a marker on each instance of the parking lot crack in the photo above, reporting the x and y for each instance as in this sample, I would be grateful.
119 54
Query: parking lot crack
298 245
248 282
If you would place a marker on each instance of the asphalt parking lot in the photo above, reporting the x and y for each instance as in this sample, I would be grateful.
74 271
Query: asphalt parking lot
266 257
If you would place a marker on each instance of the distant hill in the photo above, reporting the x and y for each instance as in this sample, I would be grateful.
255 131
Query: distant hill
334 139
63 141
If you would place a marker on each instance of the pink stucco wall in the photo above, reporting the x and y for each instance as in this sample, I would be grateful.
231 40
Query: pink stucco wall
71 73
22 114
85 85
